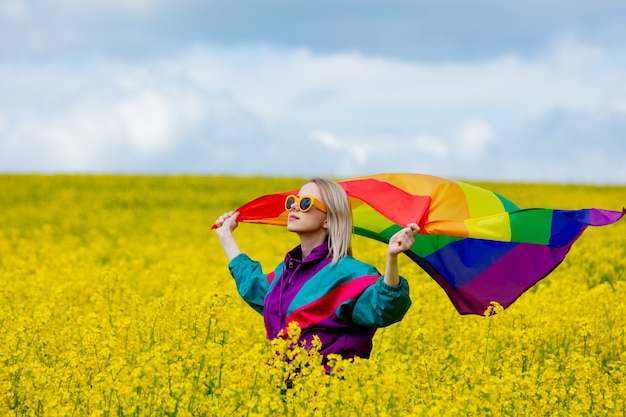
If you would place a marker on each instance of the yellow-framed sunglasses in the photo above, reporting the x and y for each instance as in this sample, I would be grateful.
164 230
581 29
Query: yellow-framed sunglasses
305 203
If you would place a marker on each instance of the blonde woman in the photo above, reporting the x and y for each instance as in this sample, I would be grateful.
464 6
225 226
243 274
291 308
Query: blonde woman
319 284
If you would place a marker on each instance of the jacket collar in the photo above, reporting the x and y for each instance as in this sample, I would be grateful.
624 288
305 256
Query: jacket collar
318 253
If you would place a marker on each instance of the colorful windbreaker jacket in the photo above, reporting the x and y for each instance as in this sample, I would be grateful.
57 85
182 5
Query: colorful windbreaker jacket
343 304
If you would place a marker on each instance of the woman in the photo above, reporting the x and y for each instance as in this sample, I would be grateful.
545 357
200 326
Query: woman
319 284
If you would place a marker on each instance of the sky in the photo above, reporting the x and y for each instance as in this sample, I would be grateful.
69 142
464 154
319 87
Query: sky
531 91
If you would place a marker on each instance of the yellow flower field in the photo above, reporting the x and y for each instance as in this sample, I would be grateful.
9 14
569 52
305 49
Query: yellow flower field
116 300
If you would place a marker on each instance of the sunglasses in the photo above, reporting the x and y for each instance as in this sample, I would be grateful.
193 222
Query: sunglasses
304 203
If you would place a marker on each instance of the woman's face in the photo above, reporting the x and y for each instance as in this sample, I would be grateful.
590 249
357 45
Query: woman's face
311 221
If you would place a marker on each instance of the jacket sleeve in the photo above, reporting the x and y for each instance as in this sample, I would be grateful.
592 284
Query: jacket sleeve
381 305
252 283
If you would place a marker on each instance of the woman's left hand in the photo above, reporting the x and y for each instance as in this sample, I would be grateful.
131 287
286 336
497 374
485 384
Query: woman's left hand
403 240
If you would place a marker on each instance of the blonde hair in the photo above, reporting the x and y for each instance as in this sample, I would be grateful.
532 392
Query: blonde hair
339 218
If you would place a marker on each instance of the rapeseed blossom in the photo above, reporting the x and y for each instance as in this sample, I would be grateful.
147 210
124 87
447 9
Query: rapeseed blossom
115 299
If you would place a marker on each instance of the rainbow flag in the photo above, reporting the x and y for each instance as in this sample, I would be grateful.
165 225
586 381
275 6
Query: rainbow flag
477 245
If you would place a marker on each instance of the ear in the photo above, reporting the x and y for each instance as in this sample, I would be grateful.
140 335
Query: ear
325 225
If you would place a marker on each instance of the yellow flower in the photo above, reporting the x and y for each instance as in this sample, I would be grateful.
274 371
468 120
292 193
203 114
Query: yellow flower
116 300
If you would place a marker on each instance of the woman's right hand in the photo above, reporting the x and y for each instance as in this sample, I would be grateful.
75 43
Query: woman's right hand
227 222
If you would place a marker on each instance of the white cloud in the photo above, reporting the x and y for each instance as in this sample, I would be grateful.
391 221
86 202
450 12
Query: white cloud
13 9
572 76
149 121
431 145
618 103
356 153
366 114
473 137
95 7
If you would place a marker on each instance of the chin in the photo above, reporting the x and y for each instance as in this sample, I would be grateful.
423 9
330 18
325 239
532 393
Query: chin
294 228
